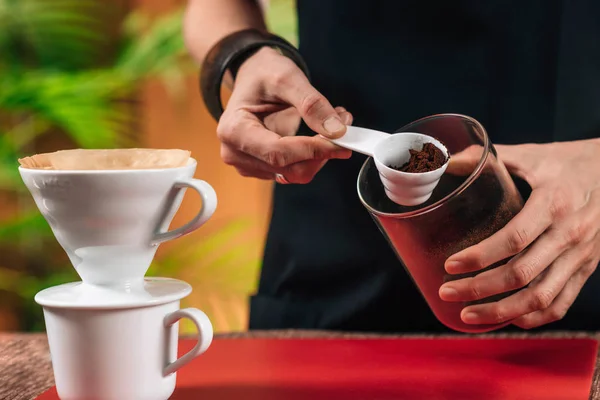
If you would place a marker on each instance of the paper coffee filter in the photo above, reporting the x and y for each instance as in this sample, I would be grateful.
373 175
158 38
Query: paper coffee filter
85 159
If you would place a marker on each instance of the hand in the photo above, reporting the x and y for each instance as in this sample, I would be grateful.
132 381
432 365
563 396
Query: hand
257 129
555 239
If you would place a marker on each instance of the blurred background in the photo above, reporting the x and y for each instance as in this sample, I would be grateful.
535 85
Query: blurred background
115 73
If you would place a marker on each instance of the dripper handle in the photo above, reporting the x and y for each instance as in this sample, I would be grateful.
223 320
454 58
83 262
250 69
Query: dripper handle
209 205
361 140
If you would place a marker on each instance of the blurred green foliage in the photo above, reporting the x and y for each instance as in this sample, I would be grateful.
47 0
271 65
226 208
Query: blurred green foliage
281 19
222 269
69 72
61 78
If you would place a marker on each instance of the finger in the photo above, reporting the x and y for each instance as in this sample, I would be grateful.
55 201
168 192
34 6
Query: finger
576 233
242 131
520 271
237 159
516 236
533 298
345 116
464 162
284 122
558 309
302 172
315 109
255 173
519 161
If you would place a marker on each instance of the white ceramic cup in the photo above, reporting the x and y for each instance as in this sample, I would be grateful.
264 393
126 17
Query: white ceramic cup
110 222
125 348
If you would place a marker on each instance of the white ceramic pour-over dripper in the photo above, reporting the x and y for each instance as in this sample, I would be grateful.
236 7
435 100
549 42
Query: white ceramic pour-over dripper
110 222
403 188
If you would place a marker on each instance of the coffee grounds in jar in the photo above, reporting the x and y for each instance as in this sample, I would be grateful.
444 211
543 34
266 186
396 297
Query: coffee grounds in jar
429 158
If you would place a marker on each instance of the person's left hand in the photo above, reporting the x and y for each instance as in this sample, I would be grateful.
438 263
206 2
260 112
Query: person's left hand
555 239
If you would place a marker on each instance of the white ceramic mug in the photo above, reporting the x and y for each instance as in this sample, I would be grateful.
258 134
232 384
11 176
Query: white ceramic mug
116 345
110 222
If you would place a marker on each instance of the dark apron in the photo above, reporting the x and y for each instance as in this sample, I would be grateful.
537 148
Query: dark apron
529 71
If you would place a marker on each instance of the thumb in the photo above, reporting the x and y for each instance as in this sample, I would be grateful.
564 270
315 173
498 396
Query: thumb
464 162
314 108
516 159
513 157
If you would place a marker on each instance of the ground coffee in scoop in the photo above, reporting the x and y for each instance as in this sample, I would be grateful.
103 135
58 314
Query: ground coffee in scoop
429 158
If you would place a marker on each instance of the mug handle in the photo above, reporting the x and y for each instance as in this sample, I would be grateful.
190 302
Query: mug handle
209 205
205 336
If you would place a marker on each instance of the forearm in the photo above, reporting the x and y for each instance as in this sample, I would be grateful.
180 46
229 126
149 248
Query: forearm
208 21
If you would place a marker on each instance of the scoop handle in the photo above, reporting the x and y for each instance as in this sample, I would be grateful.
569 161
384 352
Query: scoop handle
361 140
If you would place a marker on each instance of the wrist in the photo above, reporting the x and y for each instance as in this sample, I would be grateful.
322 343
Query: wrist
263 54
228 55
256 52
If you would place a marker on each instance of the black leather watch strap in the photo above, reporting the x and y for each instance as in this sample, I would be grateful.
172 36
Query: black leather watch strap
229 54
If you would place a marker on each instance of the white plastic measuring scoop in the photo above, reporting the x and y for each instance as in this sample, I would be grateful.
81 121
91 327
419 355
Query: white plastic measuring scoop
403 188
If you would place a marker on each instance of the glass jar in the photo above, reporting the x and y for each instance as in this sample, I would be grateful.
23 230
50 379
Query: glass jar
475 198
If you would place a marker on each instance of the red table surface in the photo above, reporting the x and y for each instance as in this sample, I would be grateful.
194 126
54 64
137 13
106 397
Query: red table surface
462 369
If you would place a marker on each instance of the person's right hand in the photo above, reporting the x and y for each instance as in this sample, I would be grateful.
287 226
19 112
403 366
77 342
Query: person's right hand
257 130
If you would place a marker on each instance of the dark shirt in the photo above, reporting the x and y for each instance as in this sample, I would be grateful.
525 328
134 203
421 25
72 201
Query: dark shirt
529 71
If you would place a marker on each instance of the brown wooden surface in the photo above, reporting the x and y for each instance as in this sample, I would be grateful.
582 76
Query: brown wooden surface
26 372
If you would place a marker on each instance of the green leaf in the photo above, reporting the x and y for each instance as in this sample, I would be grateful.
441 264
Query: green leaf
85 105
150 51
26 286
55 34
31 224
